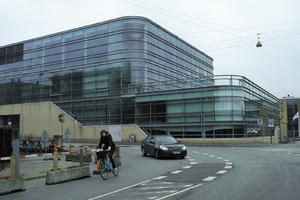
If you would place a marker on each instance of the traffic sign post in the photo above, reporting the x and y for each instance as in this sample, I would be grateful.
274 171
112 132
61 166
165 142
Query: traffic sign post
260 123
203 126
61 119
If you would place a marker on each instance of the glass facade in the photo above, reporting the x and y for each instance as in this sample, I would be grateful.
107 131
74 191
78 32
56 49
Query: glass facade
112 73
292 109
230 108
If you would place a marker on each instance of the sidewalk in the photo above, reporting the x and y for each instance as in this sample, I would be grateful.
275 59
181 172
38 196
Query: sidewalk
38 168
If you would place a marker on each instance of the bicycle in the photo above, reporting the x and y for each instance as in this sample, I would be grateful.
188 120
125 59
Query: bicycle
104 165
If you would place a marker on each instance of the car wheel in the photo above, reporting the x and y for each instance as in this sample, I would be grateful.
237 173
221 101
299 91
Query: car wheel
143 152
156 154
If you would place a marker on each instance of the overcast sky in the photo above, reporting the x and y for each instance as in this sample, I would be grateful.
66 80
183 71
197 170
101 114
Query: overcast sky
224 29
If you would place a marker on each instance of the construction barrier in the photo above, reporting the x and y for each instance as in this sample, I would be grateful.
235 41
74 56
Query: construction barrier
72 151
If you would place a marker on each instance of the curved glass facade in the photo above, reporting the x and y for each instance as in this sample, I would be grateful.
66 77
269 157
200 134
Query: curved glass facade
230 108
112 73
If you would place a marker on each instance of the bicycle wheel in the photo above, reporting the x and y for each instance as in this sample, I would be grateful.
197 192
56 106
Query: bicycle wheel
104 171
116 170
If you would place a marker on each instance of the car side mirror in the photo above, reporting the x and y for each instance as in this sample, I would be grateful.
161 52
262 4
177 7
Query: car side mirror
151 142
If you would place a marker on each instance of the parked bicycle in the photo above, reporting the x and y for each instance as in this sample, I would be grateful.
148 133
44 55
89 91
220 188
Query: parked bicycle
104 165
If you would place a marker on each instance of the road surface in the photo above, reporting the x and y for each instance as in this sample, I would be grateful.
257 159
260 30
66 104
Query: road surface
266 172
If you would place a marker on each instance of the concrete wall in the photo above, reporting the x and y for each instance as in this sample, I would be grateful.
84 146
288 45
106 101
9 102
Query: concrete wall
234 141
35 118
38 117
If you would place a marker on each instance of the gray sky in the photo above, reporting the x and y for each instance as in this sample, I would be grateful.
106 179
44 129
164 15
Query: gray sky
224 29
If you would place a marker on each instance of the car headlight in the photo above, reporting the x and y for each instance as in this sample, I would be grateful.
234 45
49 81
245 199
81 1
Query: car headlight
184 148
163 148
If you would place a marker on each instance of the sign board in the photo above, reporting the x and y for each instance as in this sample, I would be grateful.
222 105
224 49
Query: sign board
68 133
61 118
271 123
45 137
116 132
259 121
201 117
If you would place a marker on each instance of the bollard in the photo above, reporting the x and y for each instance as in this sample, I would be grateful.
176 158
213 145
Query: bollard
85 150
13 167
15 170
55 159
81 158
117 155
71 148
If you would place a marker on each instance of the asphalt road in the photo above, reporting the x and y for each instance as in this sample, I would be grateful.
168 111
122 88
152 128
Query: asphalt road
259 172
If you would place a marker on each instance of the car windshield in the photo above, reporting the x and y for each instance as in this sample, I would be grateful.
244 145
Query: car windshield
166 140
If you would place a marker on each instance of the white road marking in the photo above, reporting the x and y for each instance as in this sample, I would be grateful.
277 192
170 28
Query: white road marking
222 172
165 187
188 157
159 177
192 159
193 163
152 198
158 192
289 153
176 172
212 156
219 158
156 188
143 184
195 151
205 154
228 167
225 160
228 163
166 183
179 192
187 167
210 178
119 190
297 154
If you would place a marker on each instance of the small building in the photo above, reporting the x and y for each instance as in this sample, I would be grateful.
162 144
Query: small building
289 118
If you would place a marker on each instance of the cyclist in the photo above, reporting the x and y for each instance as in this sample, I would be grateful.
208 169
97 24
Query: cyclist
106 143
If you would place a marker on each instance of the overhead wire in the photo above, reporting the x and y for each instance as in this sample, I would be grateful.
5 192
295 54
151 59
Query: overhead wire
229 43
246 44
183 16
269 25
234 41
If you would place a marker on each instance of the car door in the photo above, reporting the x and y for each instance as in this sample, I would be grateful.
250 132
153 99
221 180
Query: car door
146 145
151 146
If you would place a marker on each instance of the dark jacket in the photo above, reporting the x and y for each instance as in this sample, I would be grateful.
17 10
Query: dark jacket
106 141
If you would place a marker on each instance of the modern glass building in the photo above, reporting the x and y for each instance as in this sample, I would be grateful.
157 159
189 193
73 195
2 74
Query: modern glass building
131 70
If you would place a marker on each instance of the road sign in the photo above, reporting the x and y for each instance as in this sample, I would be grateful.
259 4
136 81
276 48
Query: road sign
259 121
68 132
201 118
61 118
271 123
45 137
